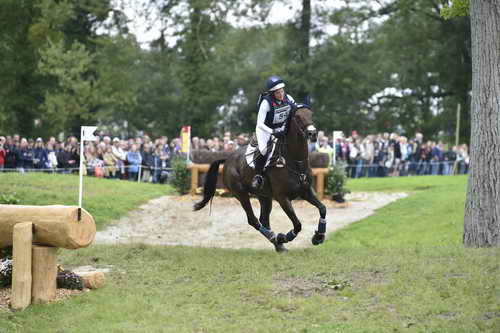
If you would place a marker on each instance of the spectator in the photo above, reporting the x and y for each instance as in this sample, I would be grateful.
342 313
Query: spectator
134 160
2 153
241 141
147 162
157 163
450 156
24 158
51 156
10 153
324 147
121 157
231 146
110 162
40 157
195 143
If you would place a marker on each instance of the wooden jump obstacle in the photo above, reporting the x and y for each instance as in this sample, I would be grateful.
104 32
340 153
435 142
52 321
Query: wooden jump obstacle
36 232
197 169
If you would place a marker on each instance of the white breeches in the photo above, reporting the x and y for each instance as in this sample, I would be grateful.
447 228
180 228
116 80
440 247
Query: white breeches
262 140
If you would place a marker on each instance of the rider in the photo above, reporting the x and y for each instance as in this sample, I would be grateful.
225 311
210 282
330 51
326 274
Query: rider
274 109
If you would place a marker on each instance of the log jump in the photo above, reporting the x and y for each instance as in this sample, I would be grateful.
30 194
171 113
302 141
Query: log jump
36 232
198 169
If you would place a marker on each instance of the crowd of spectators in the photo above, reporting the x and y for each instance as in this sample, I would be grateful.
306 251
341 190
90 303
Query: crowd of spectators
379 155
389 154
134 158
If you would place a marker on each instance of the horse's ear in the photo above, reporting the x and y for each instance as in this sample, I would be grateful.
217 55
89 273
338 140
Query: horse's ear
302 105
308 100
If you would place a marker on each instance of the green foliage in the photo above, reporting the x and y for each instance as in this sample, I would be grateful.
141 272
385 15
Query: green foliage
336 180
457 8
74 95
9 199
180 178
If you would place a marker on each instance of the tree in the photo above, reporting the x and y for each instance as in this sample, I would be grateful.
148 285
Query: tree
482 208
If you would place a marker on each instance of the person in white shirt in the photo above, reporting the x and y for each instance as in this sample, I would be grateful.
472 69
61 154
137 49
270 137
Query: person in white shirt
275 107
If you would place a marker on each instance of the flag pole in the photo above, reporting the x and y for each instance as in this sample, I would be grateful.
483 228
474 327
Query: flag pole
81 176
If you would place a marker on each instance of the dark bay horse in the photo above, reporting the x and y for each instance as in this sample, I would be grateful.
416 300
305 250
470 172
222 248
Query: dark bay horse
283 184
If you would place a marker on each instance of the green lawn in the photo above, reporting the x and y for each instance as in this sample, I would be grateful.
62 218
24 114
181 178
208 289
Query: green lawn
105 199
401 270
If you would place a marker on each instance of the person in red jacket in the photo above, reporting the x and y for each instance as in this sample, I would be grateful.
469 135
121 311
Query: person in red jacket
3 153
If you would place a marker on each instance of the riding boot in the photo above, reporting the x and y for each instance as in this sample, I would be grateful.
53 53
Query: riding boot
258 179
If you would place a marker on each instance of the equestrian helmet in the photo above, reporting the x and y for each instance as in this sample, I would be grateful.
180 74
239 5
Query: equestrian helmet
274 83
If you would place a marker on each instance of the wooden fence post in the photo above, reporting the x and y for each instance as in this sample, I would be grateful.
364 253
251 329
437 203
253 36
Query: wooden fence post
21 267
44 273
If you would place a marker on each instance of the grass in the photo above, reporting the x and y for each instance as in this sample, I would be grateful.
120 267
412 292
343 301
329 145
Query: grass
401 270
106 199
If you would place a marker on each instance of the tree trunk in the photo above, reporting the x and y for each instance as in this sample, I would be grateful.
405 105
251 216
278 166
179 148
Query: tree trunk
482 208
304 41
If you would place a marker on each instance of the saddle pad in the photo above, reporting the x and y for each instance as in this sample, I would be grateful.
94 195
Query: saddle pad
252 150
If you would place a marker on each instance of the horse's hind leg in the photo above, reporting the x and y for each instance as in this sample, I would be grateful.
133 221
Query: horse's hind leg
247 206
252 220
266 205
319 234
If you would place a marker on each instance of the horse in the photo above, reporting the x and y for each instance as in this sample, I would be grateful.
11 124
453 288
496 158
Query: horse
288 178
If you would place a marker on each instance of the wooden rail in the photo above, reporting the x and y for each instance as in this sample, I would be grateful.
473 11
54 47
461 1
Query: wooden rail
197 169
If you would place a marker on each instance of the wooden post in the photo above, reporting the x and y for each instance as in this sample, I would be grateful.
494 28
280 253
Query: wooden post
194 178
21 270
320 185
44 271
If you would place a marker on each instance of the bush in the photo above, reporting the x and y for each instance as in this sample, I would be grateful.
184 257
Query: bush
9 199
5 272
336 179
180 178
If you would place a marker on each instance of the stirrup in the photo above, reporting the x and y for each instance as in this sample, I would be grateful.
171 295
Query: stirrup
257 182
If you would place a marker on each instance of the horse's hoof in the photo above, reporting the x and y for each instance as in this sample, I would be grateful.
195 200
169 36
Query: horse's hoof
281 238
280 248
318 238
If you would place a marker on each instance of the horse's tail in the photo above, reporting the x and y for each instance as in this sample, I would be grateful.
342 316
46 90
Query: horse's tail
210 184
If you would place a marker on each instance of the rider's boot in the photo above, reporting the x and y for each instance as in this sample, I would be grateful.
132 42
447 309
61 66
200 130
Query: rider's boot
258 179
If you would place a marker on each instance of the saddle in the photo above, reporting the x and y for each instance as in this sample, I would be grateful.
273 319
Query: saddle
274 158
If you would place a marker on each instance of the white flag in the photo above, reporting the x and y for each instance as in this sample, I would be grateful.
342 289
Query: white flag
337 135
88 133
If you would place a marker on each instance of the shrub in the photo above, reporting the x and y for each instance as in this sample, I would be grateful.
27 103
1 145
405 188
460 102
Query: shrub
180 178
336 179
9 199
5 272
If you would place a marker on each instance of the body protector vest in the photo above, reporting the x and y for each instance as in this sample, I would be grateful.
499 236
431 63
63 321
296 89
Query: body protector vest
279 111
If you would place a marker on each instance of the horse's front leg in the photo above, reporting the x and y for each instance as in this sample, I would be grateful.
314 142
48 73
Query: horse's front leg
319 235
266 205
286 205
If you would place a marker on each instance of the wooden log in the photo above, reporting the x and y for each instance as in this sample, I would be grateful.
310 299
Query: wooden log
92 280
21 266
44 272
53 225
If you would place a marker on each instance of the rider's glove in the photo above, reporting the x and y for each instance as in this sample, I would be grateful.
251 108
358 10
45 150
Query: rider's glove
280 131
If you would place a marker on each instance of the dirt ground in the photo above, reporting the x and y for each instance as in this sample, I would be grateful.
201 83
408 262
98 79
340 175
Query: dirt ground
170 220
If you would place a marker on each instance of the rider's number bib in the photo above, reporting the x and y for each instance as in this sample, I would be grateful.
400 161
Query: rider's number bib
281 114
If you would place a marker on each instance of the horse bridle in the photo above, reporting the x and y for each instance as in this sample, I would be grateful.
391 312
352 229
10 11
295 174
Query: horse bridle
301 126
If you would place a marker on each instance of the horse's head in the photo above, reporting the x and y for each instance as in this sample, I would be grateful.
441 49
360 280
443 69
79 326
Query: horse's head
303 118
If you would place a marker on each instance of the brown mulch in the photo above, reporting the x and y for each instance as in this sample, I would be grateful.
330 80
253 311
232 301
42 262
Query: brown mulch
61 295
